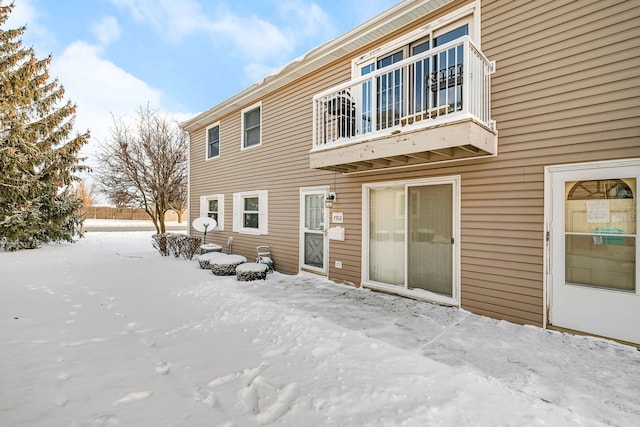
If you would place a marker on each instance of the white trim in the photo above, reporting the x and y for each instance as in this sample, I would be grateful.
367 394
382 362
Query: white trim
242 130
324 190
204 209
455 299
263 216
206 141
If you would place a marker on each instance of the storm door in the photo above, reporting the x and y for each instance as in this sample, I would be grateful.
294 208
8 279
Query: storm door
313 230
594 252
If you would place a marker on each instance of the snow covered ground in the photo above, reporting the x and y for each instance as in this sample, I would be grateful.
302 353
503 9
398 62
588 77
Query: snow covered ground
107 332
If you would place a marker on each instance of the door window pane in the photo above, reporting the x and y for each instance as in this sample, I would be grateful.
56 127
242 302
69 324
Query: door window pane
314 212
600 233
430 249
386 235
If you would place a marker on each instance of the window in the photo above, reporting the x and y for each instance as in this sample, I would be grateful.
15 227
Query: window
213 141
251 126
250 212
213 207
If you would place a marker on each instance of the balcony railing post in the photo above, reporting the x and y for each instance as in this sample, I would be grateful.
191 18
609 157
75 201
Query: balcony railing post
467 103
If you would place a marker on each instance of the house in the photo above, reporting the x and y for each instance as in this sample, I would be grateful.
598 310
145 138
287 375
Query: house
480 154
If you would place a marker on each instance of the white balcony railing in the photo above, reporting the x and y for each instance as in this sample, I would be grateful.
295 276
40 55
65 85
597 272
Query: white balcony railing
424 90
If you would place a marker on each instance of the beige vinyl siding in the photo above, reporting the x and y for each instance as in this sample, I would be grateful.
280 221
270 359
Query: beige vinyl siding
566 89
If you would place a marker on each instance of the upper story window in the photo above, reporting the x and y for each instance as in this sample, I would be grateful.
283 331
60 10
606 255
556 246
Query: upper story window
212 205
250 212
213 141
252 126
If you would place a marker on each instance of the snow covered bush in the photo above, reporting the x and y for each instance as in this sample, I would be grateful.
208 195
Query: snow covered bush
160 243
173 243
189 245
176 244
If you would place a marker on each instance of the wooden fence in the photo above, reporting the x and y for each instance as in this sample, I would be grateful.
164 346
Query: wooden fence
108 212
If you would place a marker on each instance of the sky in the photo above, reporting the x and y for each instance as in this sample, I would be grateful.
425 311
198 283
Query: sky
79 347
179 57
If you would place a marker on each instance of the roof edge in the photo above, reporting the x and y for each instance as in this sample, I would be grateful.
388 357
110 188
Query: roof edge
387 21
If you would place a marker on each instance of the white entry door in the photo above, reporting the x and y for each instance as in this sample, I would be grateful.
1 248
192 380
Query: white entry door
313 230
594 251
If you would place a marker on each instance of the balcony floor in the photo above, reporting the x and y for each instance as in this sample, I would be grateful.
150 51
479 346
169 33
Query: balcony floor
410 145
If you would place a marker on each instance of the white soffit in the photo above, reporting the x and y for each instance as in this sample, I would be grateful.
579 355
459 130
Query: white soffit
392 19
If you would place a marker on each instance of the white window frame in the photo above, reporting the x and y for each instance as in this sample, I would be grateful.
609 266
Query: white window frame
206 144
242 128
238 212
470 12
204 209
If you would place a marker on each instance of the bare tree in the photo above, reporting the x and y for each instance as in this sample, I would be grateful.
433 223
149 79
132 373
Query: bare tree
178 202
144 165
85 193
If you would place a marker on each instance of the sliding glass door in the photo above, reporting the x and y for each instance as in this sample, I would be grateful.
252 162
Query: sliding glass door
412 230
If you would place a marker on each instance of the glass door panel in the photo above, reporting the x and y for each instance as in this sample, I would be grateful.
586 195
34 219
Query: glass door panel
430 243
446 77
386 235
600 233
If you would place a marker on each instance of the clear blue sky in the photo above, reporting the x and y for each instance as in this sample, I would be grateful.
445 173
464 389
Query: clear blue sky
180 56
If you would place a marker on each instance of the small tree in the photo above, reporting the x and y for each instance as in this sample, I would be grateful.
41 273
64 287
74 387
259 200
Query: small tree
85 193
37 162
178 202
144 166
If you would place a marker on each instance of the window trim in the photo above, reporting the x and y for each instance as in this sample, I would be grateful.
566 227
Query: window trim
238 212
242 126
204 209
206 141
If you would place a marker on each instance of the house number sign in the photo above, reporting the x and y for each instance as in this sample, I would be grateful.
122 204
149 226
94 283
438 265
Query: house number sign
336 217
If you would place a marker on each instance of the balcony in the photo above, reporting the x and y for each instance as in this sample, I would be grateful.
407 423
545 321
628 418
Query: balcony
428 108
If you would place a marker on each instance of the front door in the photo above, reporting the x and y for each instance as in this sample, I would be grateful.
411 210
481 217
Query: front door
594 252
313 230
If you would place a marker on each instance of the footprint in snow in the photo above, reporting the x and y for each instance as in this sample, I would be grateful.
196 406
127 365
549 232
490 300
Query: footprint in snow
257 389
163 368
132 397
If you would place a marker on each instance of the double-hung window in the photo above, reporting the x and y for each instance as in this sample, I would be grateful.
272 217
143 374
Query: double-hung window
212 206
252 126
213 141
250 212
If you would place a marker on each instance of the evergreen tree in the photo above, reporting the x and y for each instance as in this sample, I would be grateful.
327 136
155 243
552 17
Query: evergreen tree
38 161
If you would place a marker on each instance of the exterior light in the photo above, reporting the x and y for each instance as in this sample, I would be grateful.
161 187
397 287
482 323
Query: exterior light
328 202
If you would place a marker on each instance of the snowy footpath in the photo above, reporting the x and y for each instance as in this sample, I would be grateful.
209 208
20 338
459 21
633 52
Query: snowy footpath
106 332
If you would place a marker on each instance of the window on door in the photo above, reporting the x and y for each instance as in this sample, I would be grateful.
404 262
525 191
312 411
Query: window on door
600 233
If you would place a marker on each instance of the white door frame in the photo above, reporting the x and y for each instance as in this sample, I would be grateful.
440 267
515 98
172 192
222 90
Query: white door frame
324 191
554 257
422 294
